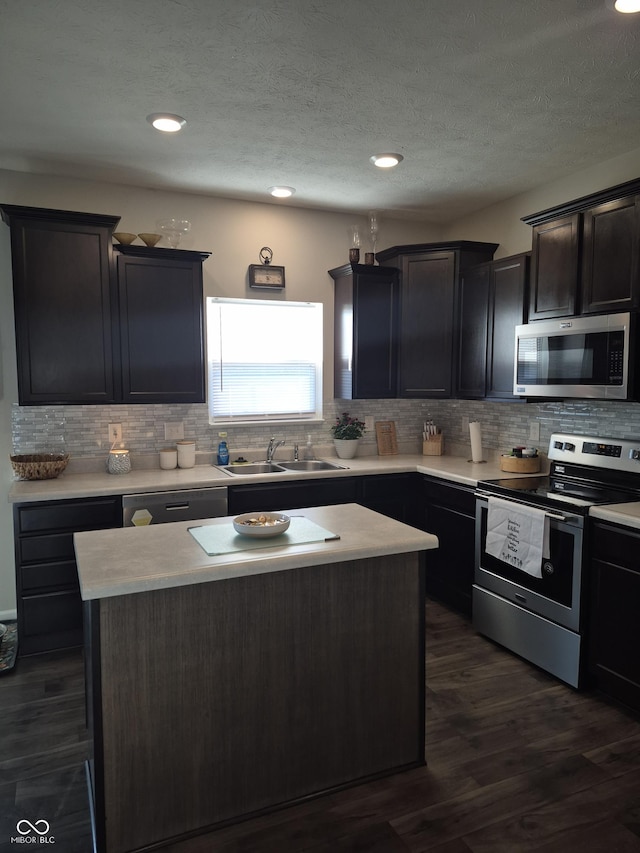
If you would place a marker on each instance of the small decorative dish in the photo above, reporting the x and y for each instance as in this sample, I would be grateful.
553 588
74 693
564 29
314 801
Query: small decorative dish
150 239
39 466
124 238
261 524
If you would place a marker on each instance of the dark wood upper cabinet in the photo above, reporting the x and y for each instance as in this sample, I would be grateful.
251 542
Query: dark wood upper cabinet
365 331
492 304
507 309
98 325
63 298
474 306
554 268
585 255
161 325
429 304
611 233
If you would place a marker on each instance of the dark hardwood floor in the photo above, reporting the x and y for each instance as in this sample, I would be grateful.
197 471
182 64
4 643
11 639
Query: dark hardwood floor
516 762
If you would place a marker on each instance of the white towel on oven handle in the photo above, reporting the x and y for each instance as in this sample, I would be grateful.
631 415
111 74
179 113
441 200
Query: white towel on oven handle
517 535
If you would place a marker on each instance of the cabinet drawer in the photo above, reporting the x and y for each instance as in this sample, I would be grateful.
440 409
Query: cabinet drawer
48 548
381 487
50 613
453 497
49 577
613 545
86 514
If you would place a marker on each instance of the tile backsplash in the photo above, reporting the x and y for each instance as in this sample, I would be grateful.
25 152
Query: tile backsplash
83 430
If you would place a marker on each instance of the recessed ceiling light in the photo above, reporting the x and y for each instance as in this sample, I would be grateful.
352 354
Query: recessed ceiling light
166 122
281 192
628 7
386 161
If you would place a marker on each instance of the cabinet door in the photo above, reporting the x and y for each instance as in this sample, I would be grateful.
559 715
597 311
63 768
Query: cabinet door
365 332
615 631
450 515
394 495
375 369
161 322
554 268
427 304
474 302
507 309
63 306
610 271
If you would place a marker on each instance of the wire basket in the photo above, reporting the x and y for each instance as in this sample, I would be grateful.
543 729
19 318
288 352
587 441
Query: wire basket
39 466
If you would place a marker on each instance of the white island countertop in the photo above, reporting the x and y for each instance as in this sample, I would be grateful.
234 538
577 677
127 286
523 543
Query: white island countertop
139 559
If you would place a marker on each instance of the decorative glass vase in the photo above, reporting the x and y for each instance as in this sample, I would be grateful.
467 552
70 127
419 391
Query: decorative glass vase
346 448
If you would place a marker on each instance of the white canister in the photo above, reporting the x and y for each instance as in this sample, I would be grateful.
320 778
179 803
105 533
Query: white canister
119 462
168 458
186 453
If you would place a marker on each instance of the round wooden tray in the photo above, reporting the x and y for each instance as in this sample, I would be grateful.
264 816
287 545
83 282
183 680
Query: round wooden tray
520 465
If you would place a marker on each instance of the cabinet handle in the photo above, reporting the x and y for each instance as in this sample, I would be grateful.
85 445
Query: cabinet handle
425 389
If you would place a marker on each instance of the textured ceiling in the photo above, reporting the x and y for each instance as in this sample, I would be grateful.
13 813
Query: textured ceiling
484 98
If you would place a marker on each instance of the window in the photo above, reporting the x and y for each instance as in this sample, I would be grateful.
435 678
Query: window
264 360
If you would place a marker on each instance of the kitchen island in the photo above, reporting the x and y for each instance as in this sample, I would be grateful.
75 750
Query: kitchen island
223 686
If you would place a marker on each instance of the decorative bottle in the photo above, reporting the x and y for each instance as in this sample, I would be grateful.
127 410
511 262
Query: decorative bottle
308 449
223 450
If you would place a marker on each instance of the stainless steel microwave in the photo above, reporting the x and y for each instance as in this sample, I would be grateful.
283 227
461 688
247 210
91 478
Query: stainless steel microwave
584 357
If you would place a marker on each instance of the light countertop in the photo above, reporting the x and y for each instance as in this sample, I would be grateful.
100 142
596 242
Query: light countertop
453 468
626 514
129 560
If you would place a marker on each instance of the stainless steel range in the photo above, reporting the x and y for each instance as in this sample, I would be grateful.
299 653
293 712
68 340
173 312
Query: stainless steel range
540 615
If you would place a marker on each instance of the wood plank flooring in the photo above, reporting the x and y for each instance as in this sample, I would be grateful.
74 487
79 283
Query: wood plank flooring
516 762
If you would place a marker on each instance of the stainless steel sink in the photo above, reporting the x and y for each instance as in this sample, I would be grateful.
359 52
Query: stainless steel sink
311 465
254 468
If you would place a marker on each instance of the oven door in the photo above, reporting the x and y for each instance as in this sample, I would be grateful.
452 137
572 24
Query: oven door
556 595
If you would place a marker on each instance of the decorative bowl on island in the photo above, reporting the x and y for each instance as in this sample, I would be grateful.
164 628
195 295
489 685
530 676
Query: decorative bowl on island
261 524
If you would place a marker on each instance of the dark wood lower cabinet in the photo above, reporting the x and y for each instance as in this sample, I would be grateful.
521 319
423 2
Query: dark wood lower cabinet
48 595
614 635
449 513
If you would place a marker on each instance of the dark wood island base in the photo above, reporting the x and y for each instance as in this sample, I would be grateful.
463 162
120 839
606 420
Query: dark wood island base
216 701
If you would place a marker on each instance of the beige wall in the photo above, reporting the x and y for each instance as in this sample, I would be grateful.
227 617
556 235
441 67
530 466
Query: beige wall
501 222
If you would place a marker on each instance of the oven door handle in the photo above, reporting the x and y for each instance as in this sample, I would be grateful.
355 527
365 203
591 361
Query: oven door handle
556 516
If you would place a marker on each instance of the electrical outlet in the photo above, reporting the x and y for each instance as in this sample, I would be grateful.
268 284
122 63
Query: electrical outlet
534 430
465 424
115 432
369 423
174 431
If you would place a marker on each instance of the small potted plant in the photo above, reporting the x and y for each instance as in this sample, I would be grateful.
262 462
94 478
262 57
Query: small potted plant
347 432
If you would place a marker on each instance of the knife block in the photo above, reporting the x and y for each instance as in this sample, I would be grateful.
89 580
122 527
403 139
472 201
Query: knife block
433 446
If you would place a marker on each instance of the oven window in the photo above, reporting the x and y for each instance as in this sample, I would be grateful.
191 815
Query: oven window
556 586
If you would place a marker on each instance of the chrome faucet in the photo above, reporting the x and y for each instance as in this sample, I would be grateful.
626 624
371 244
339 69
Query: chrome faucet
296 453
272 447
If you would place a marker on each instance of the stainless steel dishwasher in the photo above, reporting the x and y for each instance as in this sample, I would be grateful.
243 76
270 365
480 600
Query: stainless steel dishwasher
181 505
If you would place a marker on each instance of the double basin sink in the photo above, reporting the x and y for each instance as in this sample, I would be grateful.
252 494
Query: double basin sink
281 467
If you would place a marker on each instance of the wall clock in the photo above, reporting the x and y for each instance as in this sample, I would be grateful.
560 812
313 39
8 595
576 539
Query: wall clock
266 275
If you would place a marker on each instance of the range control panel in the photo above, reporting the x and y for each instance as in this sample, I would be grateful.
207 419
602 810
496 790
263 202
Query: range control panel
613 453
